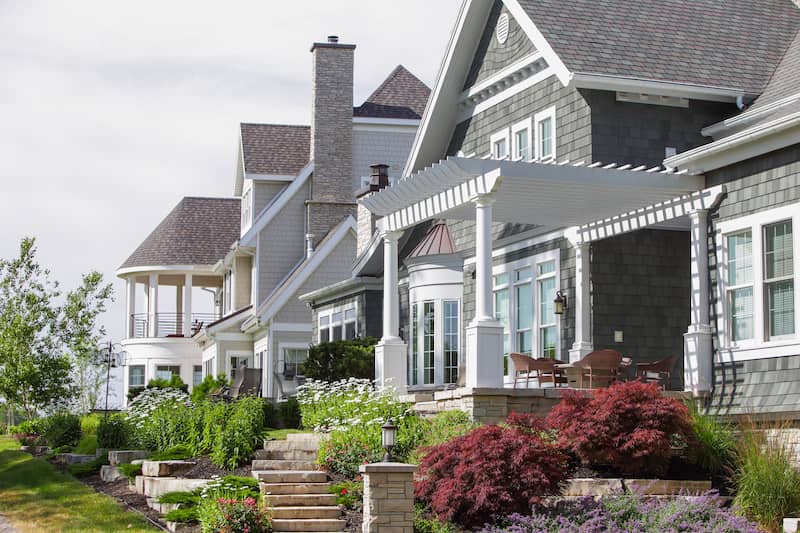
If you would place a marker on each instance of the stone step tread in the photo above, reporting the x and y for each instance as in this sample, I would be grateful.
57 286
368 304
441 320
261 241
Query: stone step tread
290 476
303 437
306 512
285 445
283 464
289 500
291 455
295 488
308 524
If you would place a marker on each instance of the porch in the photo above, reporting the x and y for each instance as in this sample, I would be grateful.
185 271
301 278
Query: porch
582 204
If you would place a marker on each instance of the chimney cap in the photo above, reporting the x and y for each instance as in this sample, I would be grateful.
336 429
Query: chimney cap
333 42
333 39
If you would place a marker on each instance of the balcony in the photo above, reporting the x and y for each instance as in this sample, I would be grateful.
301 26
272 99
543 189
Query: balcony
167 324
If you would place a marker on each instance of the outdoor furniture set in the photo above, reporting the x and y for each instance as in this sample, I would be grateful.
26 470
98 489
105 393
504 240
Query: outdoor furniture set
597 369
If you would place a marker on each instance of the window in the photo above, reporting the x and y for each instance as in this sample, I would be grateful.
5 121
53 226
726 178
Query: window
338 324
499 143
778 279
136 376
247 198
450 341
237 361
546 134
209 367
740 285
197 375
521 135
414 365
293 358
523 303
428 343
166 372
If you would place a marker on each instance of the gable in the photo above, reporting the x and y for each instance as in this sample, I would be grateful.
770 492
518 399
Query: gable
493 56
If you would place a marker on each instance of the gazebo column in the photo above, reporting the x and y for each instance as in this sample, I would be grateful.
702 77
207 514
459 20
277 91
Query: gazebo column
152 306
131 307
390 352
698 352
484 344
187 306
582 300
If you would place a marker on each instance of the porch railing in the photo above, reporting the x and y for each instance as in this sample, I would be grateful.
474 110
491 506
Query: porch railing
167 324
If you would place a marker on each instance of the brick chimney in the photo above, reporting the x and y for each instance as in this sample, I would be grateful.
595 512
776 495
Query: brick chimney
378 180
332 196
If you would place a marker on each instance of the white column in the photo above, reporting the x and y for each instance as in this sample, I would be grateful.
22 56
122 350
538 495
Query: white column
698 349
484 346
582 301
131 307
152 306
179 308
390 353
187 306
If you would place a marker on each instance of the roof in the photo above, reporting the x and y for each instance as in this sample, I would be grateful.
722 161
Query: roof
727 44
401 95
276 149
437 241
785 81
198 231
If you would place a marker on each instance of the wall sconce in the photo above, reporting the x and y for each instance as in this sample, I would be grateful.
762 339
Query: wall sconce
388 437
560 303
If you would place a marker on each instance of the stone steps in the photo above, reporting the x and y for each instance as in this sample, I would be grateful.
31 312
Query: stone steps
294 488
308 500
290 476
289 455
315 438
283 464
286 445
309 524
305 511
153 487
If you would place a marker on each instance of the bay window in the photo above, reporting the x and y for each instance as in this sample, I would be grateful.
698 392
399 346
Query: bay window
434 343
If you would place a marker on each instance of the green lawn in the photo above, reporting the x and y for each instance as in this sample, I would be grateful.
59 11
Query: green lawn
280 434
38 498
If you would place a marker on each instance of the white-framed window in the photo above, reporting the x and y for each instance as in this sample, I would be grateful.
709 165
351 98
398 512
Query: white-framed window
545 134
291 356
247 207
167 371
523 303
338 323
208 367
197 375
758 271
522 140
500 144
136 376
237 359
435 342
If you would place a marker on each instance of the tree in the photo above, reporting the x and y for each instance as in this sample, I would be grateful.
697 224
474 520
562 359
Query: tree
82 337
34 370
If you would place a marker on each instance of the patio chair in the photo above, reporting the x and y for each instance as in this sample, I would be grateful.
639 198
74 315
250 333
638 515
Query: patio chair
657 372
601 367
543 370
232 392
251 385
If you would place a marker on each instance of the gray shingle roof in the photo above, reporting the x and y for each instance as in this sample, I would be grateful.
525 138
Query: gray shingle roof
401 95
785 80
718 43
198 231
276 149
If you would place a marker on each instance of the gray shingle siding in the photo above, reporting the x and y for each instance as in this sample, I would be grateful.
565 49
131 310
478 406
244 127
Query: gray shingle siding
389 148
767 386
491 56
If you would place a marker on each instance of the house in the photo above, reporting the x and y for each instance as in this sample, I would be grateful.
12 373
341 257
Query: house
221 276
638 160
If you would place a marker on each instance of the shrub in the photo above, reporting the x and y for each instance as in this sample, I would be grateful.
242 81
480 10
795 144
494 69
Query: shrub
146 431
626 427
87 445
167 426
174 382
629 512
289 413
240 434
113 432
36 426
443 427
425 522
768 485
130 470
349 494
90 423
716 443
180 498
29 439
491 470
338 360
63 429
210 385
133 392
176 453
232 515
231 486
328 406
89 468
183 515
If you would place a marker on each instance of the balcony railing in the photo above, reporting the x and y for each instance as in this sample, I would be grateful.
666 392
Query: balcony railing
168 324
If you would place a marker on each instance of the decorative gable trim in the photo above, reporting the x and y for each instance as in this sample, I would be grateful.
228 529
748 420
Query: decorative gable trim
533 33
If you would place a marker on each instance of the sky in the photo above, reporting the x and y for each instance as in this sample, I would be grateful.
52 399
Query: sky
111 112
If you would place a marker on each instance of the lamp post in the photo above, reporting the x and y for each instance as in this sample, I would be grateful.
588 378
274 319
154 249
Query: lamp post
388 439
111 353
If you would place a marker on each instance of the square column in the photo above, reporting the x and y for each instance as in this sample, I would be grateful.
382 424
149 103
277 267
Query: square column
698 354
131 307
582 300
152 306
484 346
187 306
390 352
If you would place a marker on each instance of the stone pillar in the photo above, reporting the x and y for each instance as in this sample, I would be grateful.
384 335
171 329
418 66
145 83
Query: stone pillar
388 497
390 352
152 306
698 350
187 306
582 301
131 307
484 346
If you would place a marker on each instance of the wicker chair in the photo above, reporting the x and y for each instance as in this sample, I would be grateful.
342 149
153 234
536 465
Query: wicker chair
543 370
657 372
601 367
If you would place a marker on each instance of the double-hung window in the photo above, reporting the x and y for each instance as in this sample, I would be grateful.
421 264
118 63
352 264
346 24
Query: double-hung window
546 286
336 325
521 136
502 313
779 280
166 372
500 144
293 359
136 376
546 134
428 343
740 285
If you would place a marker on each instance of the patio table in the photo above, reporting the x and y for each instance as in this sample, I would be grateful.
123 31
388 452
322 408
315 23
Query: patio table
573 373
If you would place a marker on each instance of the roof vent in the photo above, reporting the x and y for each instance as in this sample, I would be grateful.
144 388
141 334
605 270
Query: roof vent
502 29
333 39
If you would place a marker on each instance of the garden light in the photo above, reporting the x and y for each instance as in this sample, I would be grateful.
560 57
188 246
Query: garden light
388 436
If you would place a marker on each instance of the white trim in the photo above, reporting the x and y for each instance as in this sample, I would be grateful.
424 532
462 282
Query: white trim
499 76
541 44
469 111
541 116
606 82
285 291
521 245
757 347
502 135
269 177
526 124
232 337
747 117
408 122
329 310
294 327
275 207
197 270
342 289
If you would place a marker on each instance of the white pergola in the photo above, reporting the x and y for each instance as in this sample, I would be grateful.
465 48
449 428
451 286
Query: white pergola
593 201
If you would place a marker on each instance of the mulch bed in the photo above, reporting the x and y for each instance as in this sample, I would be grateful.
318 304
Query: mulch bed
205 469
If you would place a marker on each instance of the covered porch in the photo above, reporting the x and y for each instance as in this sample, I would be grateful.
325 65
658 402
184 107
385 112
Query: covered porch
584 204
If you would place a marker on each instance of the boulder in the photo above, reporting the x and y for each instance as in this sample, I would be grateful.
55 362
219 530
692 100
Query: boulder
165 468
116 457
110 473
